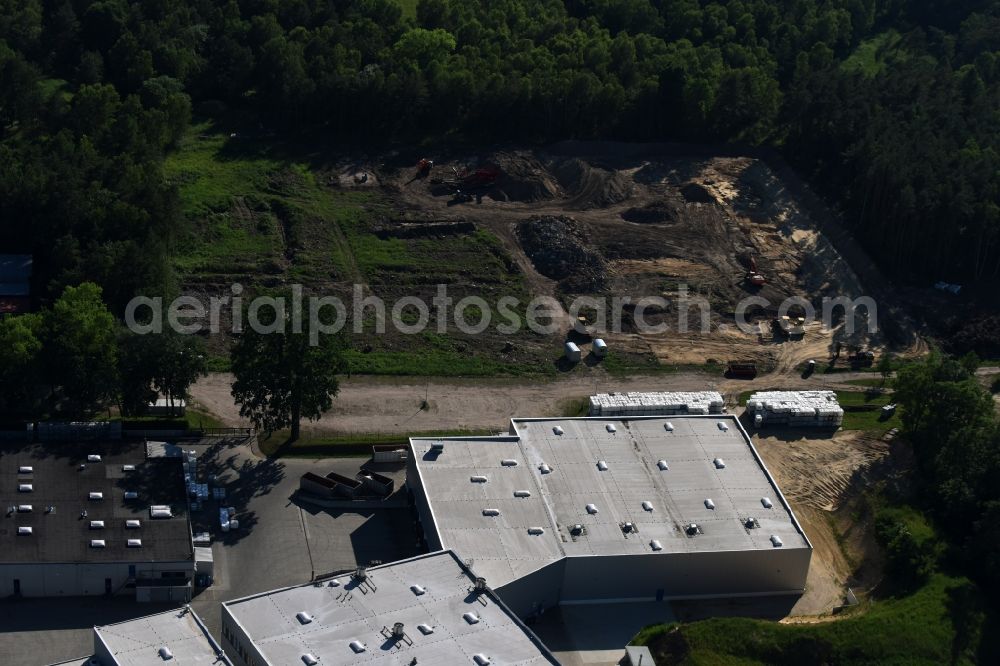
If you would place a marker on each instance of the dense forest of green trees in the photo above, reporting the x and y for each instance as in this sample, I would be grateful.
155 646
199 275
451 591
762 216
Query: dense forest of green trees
889 105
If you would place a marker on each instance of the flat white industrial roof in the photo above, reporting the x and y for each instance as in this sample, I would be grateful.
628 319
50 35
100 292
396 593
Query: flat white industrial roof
603 473
429 592
139 642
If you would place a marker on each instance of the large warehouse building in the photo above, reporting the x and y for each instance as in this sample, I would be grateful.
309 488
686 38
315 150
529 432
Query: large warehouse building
424 610
82 520
605 509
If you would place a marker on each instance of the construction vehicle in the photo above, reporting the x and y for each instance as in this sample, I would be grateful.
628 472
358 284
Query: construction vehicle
753 276
424 167
862 358
741 369
481 177
786 327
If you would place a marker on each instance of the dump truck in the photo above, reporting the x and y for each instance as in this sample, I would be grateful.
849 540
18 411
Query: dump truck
742 369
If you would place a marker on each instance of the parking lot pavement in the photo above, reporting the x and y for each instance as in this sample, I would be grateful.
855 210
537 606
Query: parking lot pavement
269 550
283 540
34 632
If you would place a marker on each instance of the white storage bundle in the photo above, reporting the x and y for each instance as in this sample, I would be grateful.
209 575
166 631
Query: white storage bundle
796 408
656 403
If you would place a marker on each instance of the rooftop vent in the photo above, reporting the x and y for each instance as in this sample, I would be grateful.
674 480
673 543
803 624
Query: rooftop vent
591 509
723 426
709 504
522 493
478 478
25 469
97 524
481 659
751 523
610 427
160 511
23 530
357 646
558 430
93 457
776 541
655 545
303 617
480 585
312 660
719 463
24 488
82 467
692 529
766 502
131 494
425 629
96 495
165 653
97 543
536 530
602 465
491 512
418 589
471 617
647 506
132 524
134 543
576 530
128 468
508 462
544 469
361 573
668 426
628 528
662 464
50 509
24 508
437 447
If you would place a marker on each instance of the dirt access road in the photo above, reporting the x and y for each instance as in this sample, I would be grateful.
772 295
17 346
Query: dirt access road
393 405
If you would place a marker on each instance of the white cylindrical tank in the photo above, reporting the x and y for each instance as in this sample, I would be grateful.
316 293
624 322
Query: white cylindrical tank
572 352
600 347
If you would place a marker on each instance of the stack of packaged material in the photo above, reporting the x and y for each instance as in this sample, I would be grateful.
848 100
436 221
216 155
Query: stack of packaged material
656 403
796 408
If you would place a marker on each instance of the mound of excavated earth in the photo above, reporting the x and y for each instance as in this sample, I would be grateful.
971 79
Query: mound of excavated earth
559 250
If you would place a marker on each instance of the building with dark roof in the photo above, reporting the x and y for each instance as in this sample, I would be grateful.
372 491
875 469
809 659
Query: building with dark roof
15 282
87 519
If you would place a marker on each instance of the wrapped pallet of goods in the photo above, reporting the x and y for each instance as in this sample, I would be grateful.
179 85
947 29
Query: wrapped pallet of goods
656 403
796 408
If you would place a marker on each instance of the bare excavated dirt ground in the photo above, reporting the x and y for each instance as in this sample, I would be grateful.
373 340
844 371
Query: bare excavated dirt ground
820 477
647 226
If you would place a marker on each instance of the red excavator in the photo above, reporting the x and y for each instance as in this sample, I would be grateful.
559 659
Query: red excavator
424 167
753 276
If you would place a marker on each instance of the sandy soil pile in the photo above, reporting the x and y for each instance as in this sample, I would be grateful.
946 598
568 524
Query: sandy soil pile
589 186
523 178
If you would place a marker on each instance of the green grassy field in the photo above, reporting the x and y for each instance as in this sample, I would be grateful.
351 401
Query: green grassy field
939 624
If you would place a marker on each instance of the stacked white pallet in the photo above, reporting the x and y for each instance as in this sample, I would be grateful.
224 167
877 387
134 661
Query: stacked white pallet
658 403
796 408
